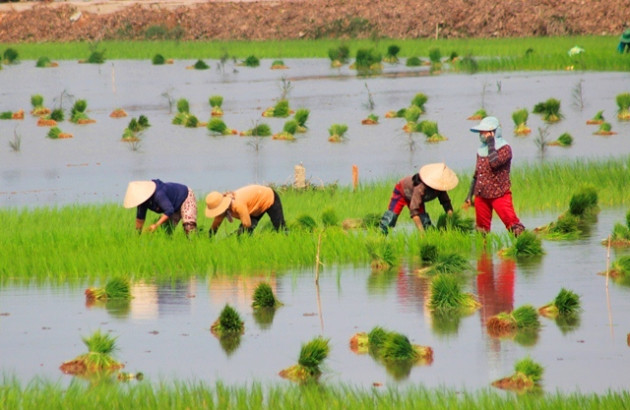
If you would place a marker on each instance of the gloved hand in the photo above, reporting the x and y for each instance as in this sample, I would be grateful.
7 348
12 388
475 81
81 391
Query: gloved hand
490 142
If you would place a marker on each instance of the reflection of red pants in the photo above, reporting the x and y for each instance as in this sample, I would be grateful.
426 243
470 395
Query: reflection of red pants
502 206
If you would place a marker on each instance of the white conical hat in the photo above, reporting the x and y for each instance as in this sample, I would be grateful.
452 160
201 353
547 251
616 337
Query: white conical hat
138 192
438 176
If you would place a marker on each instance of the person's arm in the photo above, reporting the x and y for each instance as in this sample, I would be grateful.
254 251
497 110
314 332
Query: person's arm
469 198
153 227
496 158
416 220
215 224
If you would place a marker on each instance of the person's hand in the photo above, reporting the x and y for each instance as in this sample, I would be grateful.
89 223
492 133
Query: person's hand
467 204
152 227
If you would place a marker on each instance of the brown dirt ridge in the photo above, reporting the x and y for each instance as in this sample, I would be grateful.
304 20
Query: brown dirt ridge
94 20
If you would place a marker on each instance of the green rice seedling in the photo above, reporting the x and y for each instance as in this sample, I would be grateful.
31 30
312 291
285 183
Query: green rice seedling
453 56
584 202
527 375
305 222
520 117
200 65
9 56
396 347
478 115
57 114
623 103
280 110
527 244
620 268
621 233
116 288
98 359
392 54
359 343
566 303
78 114
263 297
597 119
446 295
435 55
382 254
251 61
430 130
158 59
413 62
524 318
368 61
605 128
278 65
301 116
312 354
229 322
6 115
456 221
96 57
339 56
549 109
330 218
216 101
260 130
372 119
183 106
56 133
37 102
450 263
564 140
217 126
44 62
419 100
191 121
412 114
288 131
428 254
337 132
376 338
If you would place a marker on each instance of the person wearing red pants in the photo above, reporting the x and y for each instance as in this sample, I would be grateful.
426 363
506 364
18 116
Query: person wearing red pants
491 186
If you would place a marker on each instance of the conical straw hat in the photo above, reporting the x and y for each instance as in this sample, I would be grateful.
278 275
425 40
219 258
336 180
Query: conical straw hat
438 176
138 192
216 204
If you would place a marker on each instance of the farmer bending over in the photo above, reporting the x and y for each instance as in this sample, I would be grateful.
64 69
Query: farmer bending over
248 204
432 181
174 201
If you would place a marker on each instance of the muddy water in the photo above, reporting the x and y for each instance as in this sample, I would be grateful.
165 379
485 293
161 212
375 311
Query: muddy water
164 330
95 165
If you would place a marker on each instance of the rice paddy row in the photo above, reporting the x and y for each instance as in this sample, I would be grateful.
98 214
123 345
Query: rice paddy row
74 243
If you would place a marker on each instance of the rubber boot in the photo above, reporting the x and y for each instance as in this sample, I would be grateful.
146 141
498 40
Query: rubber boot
426 221
388 220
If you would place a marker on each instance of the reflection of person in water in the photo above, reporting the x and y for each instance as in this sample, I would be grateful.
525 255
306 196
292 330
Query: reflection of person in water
496 292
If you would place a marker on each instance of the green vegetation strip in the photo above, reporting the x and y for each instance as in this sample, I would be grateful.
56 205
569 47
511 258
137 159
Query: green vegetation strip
72 243
539 53
199 395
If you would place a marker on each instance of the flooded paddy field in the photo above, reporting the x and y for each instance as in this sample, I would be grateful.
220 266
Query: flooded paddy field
164 331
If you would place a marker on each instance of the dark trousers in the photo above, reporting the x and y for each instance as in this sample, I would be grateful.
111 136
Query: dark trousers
275 212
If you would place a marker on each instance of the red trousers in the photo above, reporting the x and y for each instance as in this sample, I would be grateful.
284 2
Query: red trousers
502 206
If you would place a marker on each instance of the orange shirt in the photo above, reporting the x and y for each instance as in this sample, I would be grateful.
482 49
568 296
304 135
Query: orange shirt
248 200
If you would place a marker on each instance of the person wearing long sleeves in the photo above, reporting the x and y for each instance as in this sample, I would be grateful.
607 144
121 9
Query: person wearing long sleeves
491 185
172 200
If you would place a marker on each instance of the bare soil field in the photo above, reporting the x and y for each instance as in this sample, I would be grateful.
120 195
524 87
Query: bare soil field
33 21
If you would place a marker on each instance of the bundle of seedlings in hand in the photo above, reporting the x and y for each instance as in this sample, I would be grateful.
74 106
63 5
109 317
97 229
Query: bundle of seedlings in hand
526 244
37 101
382 254
446 295
506 324
288 131
260 130
44 62
337 132
229 323
264 298
55 133
597 119
392 54
116 288
10 115
217 126
278 65
623 102
118 113
280 110
371 119
135 127
339 56
430 130
301 116
520 122
368 61
564 140
455 222
583 208
479 115
549 109
312 354
621 233
605 128
527 375
566 303
216 101
97 359
9 56
77 113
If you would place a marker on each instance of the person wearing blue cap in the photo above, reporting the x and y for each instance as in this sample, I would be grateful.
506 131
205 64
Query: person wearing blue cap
491 185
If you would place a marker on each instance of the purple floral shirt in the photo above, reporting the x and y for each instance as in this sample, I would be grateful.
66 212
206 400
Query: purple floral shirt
493 174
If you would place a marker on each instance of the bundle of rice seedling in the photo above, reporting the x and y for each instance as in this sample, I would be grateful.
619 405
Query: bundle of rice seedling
55 133
339 56
44 62
419 100
412 114
359 343
397 347
216 101
478 115
251 61
446 295
288 131
278 65
368 61
263 297
100 347
549 109
455 222
564 140
118 113
621 233
623 102
392 54
413 62
566 303
527 375
116 288
9 56
218 127
605 128
305 222
584 202
337 132
620 268
430 130
506 324
183 105
280 110
330 217
371 119
260 130
200 65
526 244
597 119
382 254
37 101
520 122
158 59
77 113
312 354
228 323
301 116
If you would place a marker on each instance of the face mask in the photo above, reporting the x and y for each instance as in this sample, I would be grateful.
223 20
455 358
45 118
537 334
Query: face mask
482 139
